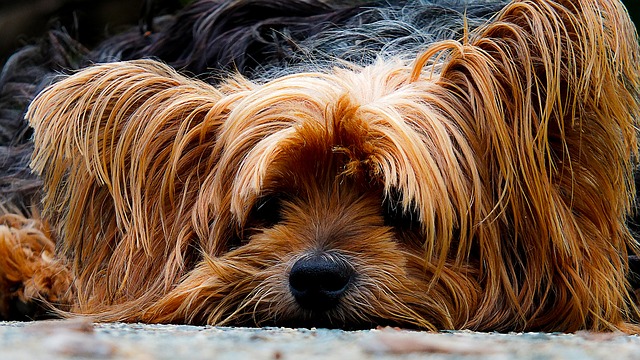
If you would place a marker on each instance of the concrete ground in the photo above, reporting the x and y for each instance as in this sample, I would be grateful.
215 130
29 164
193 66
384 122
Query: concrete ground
81 339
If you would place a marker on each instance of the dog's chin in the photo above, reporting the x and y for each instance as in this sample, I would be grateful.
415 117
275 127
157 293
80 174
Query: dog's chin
342 316
298 317
324 320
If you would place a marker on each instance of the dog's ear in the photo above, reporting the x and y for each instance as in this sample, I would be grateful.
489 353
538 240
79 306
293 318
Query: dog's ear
547 96
123 149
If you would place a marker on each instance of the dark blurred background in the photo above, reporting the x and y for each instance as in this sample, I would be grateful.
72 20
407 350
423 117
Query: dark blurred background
634 10
21 21
91 20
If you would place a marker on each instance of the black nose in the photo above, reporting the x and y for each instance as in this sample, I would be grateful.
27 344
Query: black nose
318 282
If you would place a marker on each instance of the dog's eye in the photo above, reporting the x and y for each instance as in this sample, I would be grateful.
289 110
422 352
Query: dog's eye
396 216
267 212
399 219
406 224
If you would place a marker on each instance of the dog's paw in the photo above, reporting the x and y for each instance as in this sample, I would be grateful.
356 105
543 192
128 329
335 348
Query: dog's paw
31 279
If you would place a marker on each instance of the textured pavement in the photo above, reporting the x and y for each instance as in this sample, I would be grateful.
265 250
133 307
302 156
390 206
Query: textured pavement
81 339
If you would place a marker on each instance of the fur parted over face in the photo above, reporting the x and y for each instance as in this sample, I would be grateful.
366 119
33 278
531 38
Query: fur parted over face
484 185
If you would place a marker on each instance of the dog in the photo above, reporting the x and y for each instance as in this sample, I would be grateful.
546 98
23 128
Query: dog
481 183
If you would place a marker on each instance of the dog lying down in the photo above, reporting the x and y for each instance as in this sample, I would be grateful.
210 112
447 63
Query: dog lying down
480 178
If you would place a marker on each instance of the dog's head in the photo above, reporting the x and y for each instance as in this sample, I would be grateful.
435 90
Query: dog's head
467 189
340 187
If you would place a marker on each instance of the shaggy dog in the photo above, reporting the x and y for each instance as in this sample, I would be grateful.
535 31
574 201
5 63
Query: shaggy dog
480 182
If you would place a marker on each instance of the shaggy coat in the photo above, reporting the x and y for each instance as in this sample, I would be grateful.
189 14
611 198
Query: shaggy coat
480 183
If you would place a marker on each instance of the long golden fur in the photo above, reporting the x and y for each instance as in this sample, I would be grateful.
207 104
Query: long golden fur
30 269
484 185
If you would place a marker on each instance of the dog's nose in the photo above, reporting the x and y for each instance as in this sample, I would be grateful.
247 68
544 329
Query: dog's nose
318 282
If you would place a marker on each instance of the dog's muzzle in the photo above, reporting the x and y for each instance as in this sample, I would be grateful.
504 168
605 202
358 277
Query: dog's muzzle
317 282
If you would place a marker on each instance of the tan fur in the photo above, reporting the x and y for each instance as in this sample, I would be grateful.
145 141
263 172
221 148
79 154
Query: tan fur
28 268
511 151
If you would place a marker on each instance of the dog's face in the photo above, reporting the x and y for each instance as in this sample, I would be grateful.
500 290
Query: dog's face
334 196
